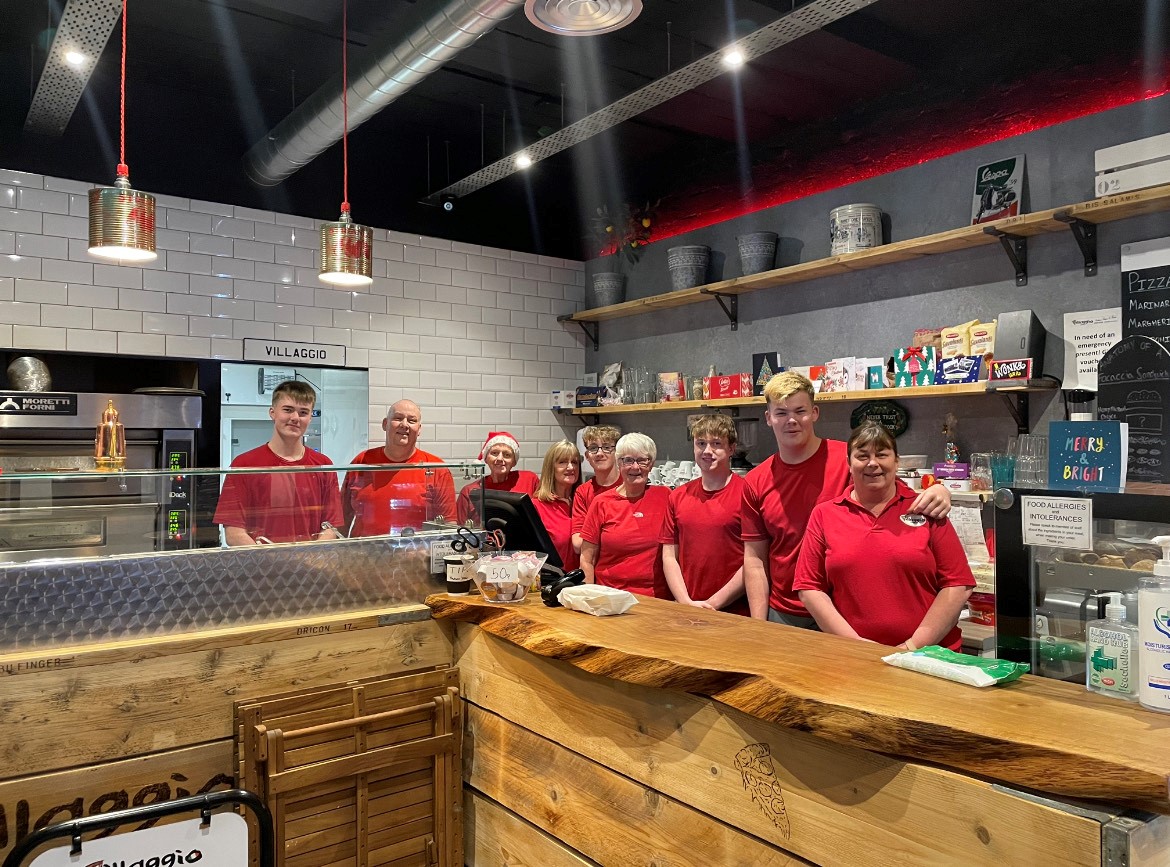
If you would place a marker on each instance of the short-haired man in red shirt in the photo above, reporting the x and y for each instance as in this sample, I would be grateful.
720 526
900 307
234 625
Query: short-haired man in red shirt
702 554
282 507
780 494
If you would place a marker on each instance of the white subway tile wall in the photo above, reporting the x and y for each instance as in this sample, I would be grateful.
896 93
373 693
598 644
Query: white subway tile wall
468 332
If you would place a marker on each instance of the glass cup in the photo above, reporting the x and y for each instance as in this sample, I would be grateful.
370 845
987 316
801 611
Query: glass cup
1031 461
1003 470
981 475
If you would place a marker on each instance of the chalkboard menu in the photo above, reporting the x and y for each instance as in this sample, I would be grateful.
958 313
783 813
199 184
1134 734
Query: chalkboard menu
1145 290
1133 386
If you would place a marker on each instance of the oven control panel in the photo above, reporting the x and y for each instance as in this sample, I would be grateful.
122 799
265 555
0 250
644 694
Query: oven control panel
178 506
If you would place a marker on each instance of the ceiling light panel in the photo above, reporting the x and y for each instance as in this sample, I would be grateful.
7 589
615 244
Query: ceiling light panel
85 27
812 16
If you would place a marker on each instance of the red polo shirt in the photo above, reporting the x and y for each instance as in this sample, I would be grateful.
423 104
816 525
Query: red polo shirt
627 532
586 493
777 501
705 527
557 520
882 573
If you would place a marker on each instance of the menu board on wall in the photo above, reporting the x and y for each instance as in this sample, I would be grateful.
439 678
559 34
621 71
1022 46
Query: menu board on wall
1145 289
1134 387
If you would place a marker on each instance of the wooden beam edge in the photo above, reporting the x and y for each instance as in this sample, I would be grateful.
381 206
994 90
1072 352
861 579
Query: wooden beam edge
996 759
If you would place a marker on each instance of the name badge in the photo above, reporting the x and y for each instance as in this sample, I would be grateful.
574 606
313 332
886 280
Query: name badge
913 520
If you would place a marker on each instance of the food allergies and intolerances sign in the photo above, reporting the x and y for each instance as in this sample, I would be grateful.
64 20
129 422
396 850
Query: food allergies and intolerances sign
289 352
1058 522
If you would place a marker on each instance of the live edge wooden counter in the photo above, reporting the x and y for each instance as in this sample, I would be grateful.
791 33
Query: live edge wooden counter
672 735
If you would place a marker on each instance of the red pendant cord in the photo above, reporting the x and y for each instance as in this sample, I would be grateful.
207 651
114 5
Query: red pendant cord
123 169
344 107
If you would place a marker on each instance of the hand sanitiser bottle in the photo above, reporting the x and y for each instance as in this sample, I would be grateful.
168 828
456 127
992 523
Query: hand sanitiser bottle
1154 633
1111 653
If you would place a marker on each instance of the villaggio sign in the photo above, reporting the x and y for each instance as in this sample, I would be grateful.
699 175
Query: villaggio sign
287 352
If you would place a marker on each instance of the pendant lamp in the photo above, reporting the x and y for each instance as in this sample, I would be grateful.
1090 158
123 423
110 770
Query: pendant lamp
347 248
121 219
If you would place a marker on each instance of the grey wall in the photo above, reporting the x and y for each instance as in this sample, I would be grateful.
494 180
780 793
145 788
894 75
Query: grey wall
873 312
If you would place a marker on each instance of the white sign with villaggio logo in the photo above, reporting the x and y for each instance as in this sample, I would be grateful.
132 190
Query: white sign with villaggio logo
221 843
288 352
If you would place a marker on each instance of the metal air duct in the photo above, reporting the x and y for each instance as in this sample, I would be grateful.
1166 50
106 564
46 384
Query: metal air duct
393 70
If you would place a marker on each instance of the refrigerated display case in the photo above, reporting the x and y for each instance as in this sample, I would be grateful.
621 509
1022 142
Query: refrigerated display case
1045 594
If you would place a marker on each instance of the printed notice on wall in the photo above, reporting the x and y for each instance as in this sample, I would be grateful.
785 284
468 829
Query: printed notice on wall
1058 522
221 843
1087 336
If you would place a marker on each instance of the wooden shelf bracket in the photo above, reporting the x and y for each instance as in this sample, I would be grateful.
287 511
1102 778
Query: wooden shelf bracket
732 312
1016 247
591 334
1085 234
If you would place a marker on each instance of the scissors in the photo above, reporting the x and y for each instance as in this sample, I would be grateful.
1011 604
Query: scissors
465 538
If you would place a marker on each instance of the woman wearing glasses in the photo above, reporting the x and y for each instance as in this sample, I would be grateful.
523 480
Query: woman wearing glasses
620 535
600 441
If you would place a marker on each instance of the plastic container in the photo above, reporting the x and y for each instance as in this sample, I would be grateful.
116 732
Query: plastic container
854 227
1111 653
507 576
1154 633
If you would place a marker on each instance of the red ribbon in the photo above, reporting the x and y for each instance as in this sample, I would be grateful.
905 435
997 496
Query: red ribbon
914 352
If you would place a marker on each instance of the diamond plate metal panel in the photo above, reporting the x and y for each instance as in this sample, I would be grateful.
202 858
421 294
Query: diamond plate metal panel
72 602
85 27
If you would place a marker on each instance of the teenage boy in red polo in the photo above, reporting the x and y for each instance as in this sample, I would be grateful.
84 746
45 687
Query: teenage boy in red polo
780 494
702 553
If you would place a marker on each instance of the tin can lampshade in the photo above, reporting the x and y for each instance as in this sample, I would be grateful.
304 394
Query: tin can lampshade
346 253
121 223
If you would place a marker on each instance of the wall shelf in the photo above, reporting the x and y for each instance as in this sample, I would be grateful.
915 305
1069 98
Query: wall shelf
1019 389
1070 218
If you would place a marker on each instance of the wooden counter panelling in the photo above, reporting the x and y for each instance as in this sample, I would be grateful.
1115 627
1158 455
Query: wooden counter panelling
135 722
1036 734
833 805
497 837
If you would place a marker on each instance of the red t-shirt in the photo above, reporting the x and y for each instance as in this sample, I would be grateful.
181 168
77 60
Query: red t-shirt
520 481
627 532
586 493
282 507
705 527
389 501
881 573
777 501
557 519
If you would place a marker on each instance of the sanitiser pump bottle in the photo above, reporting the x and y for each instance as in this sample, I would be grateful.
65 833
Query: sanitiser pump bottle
1154 633
1111 653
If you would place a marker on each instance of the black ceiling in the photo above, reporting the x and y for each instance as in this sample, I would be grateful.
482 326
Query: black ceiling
207 78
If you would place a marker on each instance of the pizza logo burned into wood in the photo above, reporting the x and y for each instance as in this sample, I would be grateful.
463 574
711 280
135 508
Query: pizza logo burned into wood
754 763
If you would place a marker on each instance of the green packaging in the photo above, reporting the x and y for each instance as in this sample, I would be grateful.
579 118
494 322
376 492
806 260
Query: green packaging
959 667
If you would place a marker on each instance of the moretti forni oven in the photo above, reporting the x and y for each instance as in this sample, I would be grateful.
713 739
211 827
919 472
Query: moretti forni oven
62 507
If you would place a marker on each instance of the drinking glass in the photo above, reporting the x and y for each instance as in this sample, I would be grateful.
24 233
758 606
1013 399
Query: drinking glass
1003 470
1031 461
981 475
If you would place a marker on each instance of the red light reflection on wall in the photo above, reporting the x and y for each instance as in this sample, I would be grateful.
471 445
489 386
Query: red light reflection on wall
936 131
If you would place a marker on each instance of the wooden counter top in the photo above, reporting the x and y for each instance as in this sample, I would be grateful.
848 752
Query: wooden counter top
1035 733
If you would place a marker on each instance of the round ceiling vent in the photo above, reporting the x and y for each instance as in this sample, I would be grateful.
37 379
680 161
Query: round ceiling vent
581 17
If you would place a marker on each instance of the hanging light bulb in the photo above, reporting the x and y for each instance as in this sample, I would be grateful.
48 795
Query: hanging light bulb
121 219
347 247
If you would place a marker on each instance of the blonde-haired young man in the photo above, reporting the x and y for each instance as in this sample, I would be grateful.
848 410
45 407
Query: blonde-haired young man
780 494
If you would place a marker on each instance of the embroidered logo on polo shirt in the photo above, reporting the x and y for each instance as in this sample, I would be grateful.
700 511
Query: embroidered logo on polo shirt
913 520
639 515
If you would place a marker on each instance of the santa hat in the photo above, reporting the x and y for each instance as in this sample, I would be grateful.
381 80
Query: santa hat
500 438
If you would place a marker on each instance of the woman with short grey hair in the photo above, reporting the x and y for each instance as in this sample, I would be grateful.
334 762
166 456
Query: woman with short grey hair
619 542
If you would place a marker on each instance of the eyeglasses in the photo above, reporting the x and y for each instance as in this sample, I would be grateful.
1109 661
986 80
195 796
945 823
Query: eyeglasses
592 450
640 462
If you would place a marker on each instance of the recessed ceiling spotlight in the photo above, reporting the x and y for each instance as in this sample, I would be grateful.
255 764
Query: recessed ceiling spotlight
733 59
523 161
74 58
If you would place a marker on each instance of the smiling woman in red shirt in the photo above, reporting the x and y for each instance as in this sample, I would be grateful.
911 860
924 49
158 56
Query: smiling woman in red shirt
871 569
619 540
559 477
